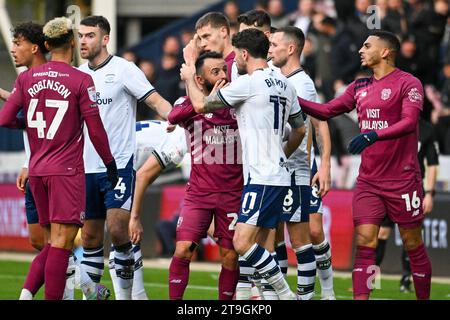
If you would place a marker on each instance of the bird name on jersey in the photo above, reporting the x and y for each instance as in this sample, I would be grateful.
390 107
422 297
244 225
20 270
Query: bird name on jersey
373 124
51 85
225 309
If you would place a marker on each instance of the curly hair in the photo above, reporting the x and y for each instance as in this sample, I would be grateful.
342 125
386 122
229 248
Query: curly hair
31 32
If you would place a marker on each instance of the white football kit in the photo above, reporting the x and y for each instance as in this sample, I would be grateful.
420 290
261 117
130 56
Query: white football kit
119 84
152 138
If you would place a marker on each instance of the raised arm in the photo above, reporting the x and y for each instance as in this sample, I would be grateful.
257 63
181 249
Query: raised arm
200 102
323 111
181 112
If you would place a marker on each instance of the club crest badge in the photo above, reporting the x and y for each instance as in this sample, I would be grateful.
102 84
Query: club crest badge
385 94
414 95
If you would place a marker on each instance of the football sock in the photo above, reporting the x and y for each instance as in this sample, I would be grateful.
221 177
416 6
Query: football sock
227 283
263 261
124 265
70 279
112 273
55 273
281 251
381 249
138 292
178 277
306 272
244 285
364 258
93 263
322 253
36 275
83 280
421 272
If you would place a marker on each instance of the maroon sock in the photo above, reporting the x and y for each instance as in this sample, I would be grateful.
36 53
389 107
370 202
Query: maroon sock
36 274
421 272
178 277
55 273
365 257
228 280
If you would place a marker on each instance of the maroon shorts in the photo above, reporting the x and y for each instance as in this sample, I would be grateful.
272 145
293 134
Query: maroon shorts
198 210
60 199
401 201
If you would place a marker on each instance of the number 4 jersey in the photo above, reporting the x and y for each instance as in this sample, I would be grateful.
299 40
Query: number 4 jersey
56 99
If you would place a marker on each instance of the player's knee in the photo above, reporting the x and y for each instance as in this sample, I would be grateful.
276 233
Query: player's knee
366 240
37 242
91 239
411 243
317 235
185 250
240 245
229 259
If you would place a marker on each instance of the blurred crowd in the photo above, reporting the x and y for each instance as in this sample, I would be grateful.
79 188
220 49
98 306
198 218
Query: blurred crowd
335 31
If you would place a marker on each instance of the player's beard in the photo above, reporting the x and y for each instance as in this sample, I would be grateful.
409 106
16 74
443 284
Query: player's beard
94 52
241 70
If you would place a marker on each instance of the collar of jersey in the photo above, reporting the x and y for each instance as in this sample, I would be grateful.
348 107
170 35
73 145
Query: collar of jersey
101 65
294 72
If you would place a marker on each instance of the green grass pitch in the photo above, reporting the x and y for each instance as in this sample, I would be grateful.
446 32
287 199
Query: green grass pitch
203 285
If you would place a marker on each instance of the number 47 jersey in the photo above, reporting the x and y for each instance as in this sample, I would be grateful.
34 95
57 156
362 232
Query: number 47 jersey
56 98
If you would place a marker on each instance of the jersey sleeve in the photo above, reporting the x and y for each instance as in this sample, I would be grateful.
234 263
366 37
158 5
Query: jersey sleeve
87 99
412 103
295 109
182 112
136 84
236 92
344 103
8 114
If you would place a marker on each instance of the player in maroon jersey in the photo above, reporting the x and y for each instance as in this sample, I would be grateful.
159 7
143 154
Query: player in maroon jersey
215 185
389 181
56 99
28 50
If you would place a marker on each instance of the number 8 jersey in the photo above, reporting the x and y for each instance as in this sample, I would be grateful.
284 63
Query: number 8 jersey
56 98
264 101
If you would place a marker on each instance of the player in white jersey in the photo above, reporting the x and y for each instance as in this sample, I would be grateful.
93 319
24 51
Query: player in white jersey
264 101
120 85
156 149
285 50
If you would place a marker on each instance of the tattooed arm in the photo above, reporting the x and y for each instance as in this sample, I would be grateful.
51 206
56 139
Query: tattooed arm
324 145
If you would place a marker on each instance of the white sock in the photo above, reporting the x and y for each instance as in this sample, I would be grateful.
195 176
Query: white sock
268 291
322 253
112 273
83 280
25 294
70 280
138 291
266 266
124 265
244 286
